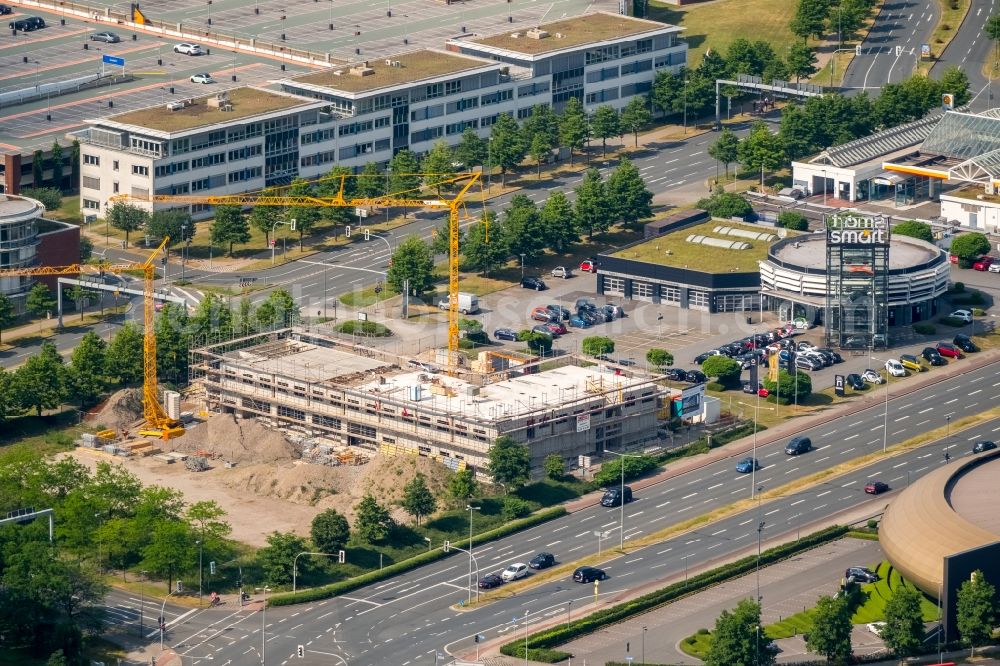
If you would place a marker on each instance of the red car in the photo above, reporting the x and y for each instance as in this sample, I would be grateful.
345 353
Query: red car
588 266
876 487
541 314
556 328
949 350
952 258
982 264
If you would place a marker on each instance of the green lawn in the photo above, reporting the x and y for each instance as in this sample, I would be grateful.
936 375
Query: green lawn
673 249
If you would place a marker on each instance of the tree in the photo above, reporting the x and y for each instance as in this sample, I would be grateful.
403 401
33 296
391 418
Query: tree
724 149
404 178
509 462
523 228
74 165
371 520
174 223
636 116
725 205
437 165
810 19
539 343
87 368
306 217
593 210
914 229
263 218
79 296
903 632
50 197
801 61
41 383
212 319
471 150
542 121
278 310
38 169
667 88
604 123
412 261
846 18
790 387
126 217
229 226
976 610
540 150
7 315
738 638
330 532
462 485
173 341
761 150
508 145
573 128
723 368
793 220
9 401
558 222
954 80
596 345
40 301
417 498
554 466
56 163
330 186
277 559
968 247
485 244
124 355
370 182
831 632
659 358
627 193
170 550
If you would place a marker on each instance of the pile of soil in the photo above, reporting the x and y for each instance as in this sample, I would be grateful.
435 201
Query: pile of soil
119 412
236 440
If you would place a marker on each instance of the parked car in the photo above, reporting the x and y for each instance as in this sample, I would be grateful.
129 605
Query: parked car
855 381
982 264
747 465
613 311
514 571
505 334
932 356
861 574
6 9
876 487
855 341
577 321
543 314
204 77
872 377
807 363
895 368
542 561
984 445
588 574
489 581
751 389
797 445
24 25
910 362
823 359
963 315
700 358
562 272
965 343
423 365
613 496
543 329
555 328
106 37
675 374
834 356
538 284
695 377
35 22
588 266
805 345
560 311
188 48
994 267
949 350
584 304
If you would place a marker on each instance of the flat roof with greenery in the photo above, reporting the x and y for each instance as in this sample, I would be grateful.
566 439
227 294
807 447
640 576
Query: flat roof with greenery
571 32
246 102
413 67
975 192
702 258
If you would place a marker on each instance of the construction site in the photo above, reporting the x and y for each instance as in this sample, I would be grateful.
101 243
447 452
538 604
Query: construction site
342 400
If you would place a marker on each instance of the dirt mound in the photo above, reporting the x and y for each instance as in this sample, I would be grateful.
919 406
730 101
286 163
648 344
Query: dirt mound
237 440
120 411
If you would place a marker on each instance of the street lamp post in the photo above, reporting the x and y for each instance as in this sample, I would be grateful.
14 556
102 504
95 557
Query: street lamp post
644 645
621 497
142 602
685 106
470 509
760 528
525 637
489 163
200 547
263 622
569 608
522 266
163 623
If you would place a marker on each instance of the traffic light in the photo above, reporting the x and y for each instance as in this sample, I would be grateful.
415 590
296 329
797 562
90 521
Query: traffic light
367 234
340 557
347 231
211 568
291 224
301 651
447 546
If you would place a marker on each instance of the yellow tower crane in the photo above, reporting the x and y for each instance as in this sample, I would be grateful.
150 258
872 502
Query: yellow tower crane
158 424
462 182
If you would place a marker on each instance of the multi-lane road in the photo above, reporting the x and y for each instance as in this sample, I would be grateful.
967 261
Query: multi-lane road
410 618
891 50
969 49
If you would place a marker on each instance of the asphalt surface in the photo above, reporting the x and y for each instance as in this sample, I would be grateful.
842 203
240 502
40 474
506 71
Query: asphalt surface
407 619
968 50
891 49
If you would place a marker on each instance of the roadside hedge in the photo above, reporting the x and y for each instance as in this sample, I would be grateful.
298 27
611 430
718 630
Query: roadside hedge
345 586
548 639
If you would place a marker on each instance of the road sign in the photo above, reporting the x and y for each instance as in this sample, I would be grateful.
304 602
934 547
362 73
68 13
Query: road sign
838 385
113 60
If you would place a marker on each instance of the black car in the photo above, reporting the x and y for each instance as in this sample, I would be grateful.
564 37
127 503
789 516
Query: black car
489 581
559 311
37 22
861 574
542 561
855 382
984 445
533 283
932 356
701 358
695 377
6 9
675 374
613 496
965 343
588 574
749 388
732 349
627 362
834 356
505 334
797 445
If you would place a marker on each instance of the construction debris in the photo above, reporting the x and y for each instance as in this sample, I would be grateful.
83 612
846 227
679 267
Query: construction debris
196 463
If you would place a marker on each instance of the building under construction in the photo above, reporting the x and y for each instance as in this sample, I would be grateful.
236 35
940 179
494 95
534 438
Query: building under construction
332 390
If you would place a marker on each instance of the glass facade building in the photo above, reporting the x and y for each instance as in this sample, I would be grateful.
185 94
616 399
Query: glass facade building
857 266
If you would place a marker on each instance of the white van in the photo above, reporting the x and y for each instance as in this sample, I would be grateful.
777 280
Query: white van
467 303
